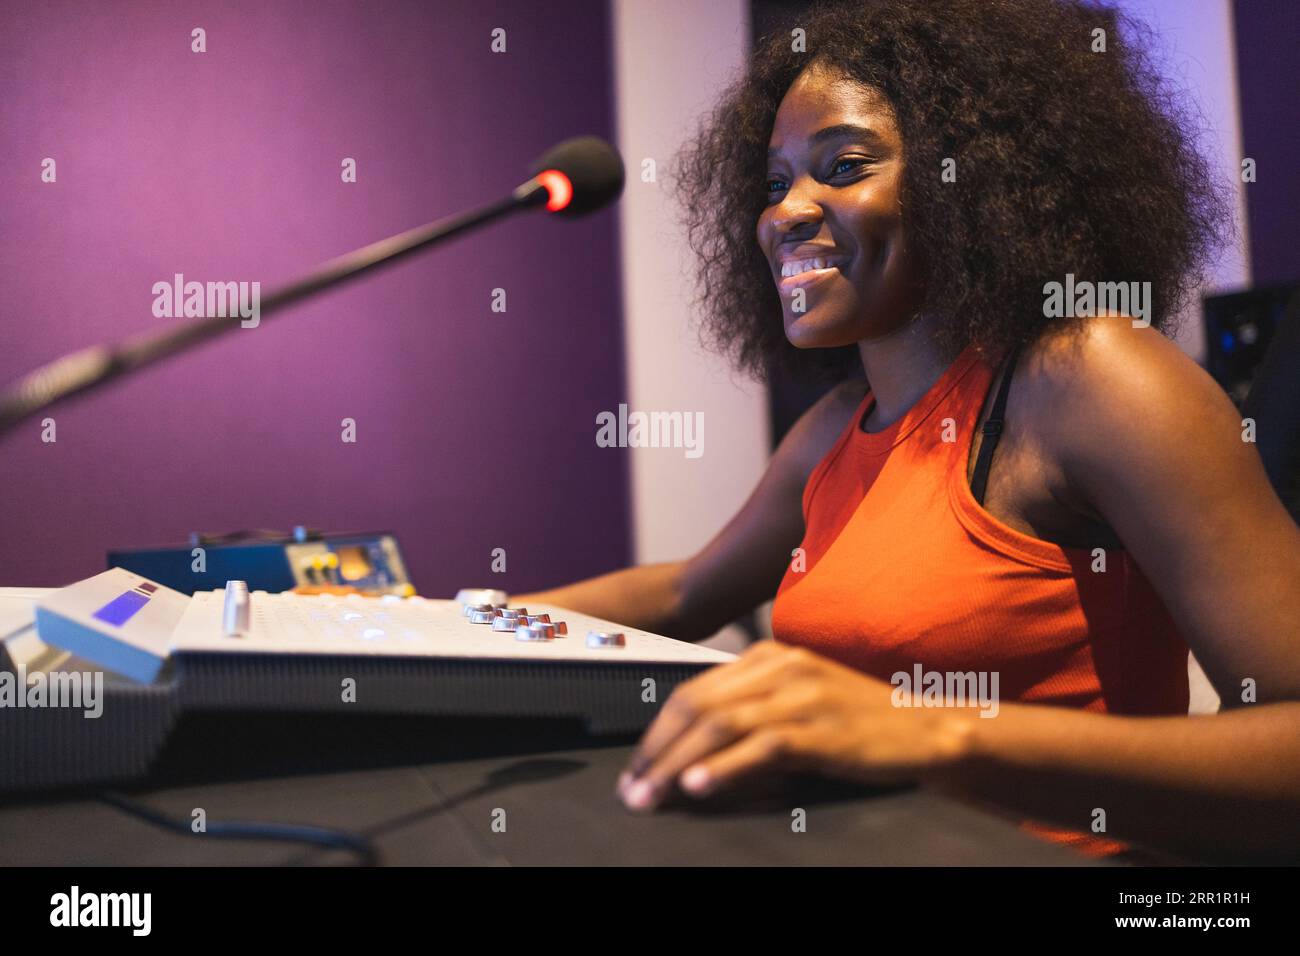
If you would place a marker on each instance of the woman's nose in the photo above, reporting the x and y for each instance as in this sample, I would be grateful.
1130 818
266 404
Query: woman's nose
796 210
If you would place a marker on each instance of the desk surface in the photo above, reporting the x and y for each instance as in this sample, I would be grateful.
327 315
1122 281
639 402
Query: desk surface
559 809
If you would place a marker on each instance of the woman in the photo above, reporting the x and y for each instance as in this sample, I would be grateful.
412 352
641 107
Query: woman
915 183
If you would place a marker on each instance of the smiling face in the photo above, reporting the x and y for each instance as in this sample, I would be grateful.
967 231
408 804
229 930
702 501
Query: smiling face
833 227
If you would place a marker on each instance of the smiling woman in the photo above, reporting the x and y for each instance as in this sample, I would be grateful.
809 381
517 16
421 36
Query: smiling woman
1051 503
1027 156
833 136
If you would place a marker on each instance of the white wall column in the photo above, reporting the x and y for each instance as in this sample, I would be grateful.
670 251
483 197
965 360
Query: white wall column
672 58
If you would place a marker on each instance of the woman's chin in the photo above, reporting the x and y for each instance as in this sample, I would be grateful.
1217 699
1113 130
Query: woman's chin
807 332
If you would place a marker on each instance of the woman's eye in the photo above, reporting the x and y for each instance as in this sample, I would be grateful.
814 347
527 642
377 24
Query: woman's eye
847 165
844 166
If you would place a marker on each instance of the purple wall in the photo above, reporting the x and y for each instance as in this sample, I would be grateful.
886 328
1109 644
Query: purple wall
1268 76
475 429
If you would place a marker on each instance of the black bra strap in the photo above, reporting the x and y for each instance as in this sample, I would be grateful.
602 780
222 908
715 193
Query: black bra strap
992 430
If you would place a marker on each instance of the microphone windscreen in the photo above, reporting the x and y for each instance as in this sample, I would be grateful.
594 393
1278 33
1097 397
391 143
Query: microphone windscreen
592 166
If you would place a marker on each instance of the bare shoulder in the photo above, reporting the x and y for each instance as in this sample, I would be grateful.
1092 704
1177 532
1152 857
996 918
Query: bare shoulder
1148 442
1107 389
816 431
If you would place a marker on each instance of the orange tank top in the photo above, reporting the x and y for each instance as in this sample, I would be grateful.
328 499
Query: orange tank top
903 571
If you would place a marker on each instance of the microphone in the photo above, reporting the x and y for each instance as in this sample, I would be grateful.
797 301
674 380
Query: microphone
580 176
574 178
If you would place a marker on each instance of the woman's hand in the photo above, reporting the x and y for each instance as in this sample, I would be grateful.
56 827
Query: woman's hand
783 708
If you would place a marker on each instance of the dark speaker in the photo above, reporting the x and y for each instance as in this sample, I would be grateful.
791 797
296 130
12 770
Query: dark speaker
1238 330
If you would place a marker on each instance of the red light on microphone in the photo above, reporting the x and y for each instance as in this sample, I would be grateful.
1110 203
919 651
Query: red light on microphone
558 188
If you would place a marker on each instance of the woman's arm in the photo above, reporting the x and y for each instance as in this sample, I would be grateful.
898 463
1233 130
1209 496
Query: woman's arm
1223 787
1149 442
743 564
647 597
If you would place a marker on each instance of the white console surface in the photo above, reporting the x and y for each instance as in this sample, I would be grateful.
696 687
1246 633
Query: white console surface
130 625
405 627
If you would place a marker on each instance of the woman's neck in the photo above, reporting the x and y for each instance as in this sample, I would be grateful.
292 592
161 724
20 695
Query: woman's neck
901 367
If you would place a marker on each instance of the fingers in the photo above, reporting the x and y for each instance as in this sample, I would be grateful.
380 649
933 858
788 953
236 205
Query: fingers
785 746
717 729
714 731
778 707
751 676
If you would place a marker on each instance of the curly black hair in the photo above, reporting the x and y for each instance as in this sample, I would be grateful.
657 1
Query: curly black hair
1067 160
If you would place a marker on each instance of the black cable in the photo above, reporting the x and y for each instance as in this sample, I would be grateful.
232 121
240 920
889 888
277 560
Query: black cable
241 830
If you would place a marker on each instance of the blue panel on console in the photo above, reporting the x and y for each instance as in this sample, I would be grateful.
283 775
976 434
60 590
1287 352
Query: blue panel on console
121 609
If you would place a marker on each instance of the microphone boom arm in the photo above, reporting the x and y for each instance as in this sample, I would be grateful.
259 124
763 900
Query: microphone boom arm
95 366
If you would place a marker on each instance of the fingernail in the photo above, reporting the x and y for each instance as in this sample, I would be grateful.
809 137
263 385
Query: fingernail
624 781
639 796
695 780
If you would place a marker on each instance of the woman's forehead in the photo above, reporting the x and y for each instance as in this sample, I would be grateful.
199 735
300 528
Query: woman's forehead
820 99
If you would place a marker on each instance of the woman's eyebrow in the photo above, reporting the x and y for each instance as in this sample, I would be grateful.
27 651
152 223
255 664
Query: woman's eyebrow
838 131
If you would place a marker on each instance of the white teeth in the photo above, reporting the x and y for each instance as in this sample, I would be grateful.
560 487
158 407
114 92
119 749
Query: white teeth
798 266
